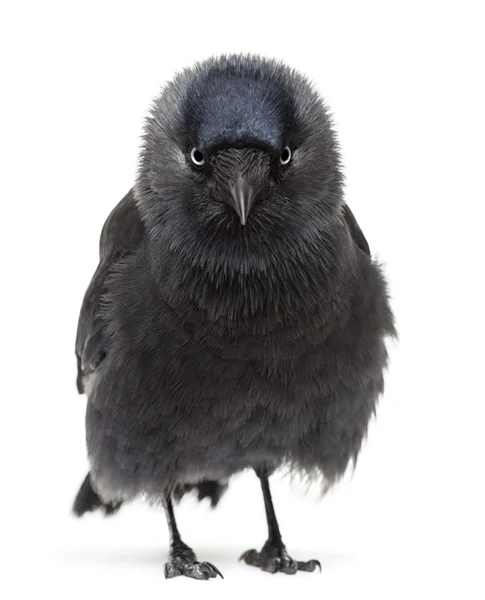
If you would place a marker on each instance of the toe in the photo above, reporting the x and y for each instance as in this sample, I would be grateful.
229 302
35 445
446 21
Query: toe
189 568
170 571
199 571
309 566
250 557
271 565
204 571
288 566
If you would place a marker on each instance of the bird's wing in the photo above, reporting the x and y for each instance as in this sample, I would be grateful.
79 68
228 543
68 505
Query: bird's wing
355 230
121 234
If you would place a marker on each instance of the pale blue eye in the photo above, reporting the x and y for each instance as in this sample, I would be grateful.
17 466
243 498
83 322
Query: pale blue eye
285 156
197 157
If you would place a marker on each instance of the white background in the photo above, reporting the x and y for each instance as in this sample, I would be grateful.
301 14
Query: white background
405 82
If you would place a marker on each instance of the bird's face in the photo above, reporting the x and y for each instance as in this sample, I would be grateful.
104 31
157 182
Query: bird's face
239 151
236 177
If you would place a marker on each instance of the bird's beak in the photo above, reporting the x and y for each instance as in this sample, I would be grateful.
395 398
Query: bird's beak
242 196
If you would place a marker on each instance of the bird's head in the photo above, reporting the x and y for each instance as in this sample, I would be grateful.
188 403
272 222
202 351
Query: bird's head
238 158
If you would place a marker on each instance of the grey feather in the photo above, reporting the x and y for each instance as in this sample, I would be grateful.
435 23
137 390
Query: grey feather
212 347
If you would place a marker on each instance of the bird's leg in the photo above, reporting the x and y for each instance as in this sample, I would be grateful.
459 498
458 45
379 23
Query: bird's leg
273 556
182 559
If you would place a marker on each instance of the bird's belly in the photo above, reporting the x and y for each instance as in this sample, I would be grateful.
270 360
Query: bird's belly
206 417
201 427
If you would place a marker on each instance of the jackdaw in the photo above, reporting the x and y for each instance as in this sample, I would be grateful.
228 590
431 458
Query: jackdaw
236 319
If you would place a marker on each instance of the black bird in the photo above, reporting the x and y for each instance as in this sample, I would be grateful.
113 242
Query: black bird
236 319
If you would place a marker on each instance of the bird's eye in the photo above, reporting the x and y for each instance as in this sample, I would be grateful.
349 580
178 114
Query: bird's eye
285 156
197 157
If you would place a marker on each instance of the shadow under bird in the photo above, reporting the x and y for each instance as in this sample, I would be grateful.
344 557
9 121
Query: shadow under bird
236 319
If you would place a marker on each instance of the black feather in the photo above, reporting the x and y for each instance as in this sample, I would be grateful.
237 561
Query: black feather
214 490
87 500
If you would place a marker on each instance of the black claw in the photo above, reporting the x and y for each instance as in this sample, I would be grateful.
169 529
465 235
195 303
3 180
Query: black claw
214 568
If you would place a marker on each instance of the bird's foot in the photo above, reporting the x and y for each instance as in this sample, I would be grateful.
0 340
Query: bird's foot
274 558
182 561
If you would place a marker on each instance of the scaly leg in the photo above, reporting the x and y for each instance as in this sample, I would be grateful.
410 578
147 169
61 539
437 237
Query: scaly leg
182 559
273 557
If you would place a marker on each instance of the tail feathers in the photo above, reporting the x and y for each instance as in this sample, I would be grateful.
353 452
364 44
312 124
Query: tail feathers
213 490
87 500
